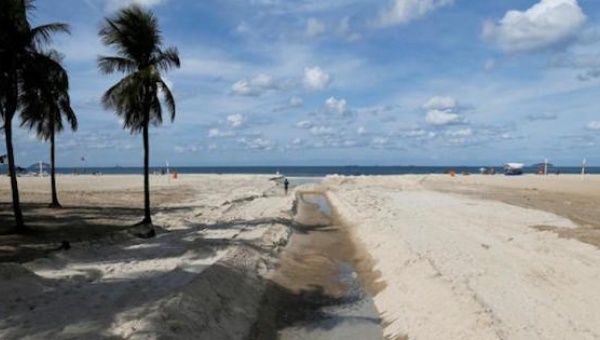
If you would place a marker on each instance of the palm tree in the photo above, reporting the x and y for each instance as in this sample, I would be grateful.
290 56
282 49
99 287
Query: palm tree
43 105
21 46
134 33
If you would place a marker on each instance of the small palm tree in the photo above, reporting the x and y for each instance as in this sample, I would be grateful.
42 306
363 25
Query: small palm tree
21 47
134 33
43 105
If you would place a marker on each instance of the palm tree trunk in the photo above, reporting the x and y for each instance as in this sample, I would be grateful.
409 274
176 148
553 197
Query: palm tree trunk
55 203
20 224
147 215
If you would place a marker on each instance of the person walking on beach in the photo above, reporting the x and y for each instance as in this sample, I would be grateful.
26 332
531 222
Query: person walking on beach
286 185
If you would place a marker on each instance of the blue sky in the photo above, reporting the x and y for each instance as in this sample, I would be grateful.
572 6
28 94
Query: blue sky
340 82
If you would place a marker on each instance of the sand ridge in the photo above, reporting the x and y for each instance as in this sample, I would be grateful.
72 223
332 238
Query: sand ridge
201 278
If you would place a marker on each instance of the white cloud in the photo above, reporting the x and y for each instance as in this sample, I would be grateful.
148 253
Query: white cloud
236 120
440 103
545 24
467 132
255 86
315 79
380 142
361 130
418 134
594 125
439 117
258 143
322 131
314 27
442 111
414 133
243 88
338 106
217 133
404 11
186 149
305 124
116 4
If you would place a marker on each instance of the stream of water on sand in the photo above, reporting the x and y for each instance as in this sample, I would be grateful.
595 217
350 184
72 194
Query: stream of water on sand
316 291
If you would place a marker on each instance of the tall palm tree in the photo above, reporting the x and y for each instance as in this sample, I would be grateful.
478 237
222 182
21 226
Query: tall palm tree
43 104
21 46
135 35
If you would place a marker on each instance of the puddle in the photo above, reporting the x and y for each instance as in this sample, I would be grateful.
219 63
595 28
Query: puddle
316 291
320 200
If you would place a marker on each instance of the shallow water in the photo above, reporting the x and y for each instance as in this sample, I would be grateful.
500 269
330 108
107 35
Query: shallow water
316 293
321 201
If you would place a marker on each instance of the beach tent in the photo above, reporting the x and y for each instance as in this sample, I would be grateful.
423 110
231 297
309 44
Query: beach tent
513 169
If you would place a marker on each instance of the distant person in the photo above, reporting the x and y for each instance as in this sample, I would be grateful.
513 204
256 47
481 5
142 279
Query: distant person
286 185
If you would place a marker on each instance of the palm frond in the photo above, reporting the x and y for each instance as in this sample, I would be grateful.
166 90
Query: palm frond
43 34
155 117
126 99
69 114
167 59
169 99
109 65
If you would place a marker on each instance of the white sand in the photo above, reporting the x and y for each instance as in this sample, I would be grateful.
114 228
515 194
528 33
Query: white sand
199 280
464 268
456 267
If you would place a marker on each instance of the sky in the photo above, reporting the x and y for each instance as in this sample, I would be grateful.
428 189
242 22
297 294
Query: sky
346 82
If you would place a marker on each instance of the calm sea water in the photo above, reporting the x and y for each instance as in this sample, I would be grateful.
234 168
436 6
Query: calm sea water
316 171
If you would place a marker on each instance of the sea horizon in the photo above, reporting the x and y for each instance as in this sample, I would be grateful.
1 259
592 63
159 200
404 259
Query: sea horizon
311 171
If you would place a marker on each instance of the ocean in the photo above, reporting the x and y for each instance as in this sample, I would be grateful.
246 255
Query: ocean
316 171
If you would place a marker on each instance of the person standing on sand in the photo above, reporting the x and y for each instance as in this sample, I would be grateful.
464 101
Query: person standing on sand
286 185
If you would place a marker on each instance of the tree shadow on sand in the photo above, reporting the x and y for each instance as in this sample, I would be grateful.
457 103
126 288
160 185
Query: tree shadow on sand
50 227
227 301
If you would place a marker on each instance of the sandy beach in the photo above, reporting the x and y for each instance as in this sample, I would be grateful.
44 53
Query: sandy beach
479 257
429 257
198 279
